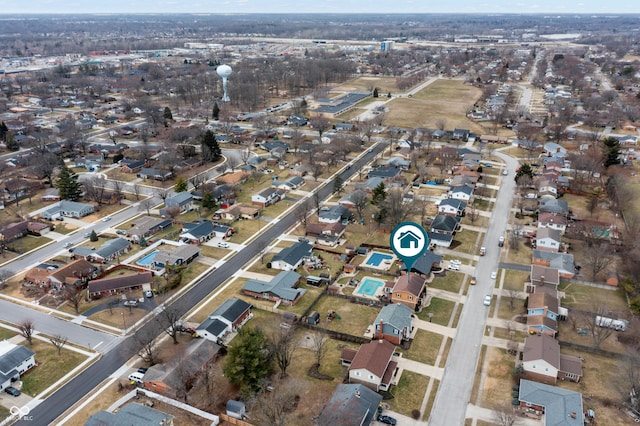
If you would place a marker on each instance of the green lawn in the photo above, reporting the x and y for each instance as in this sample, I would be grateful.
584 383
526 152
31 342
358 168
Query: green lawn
6 334
452 281
409 393
589 299
63 228
441 309
51 367
28 243
425 347
466 241
514 280
355 317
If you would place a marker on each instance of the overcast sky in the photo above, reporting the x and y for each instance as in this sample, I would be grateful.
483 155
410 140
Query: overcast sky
320 6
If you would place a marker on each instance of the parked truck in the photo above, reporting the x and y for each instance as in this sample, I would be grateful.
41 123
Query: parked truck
616 324
483 251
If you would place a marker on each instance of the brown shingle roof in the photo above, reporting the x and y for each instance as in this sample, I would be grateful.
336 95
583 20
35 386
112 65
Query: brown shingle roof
120 282
541 300
543 347
413 285
73 271
542 320
374 357
570 364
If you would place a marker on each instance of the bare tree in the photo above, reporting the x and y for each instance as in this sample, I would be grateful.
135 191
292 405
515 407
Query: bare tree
512 296
232 162
94 189
472 213
198 180
504 415
162 193
118 189
302 212
397 210
320 123
598 257
58 341
147 348
27 328
598 334
136 190
169 319
5 274
74 296
173 211
319 346
360 200
272 408
283 347
146 204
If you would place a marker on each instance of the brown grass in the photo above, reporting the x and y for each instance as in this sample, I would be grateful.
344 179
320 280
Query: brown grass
497 381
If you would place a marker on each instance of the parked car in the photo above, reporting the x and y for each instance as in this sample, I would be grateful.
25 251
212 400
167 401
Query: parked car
66 245
505 172
223 245
455 262
494 274
453 267
487 300
86 234
121 232
148 293
130 303
387 419
473 281
142 370
12 391
106 219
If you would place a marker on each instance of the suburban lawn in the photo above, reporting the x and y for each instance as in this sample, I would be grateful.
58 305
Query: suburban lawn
498 379
119 317
514 280
425 347
64 228
28 243
431 400
441 309
355 318
51 367
506 311
451 281
409 392
6 334
465 241
366 84
590 299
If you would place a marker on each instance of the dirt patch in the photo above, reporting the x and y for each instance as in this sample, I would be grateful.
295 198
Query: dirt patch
316 374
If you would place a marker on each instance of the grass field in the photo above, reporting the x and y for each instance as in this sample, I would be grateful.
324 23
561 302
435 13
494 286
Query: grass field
425 347
409 393
446 100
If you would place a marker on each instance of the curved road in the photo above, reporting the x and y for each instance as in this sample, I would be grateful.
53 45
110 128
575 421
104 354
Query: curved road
454 392
56 404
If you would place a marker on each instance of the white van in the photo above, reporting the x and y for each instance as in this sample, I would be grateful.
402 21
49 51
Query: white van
136 378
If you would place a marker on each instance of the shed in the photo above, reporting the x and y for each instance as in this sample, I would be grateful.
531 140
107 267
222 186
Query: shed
236 409
313 318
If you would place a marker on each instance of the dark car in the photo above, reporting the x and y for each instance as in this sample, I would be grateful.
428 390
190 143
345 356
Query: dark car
387 420
12 391
142 370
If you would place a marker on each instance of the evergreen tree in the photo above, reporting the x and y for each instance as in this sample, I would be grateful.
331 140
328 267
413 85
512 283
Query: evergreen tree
249 360
3 130
215 113
524 170
68 186
93 236
181 185
208 201
338 185
10 142
375 92
611 151
210 149
379 195
167 114
143 241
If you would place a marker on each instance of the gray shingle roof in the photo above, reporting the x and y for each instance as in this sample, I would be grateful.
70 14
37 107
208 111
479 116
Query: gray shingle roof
350 404
12 359
559 403
292 255
396 315
282 286
133 414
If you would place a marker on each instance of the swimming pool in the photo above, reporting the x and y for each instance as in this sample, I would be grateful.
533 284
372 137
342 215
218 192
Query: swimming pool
376 259
147 259
369 287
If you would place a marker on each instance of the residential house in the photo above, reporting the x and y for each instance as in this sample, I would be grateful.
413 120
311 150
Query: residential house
132 166
397 162
68 209
228 318
445 224
553 221
461 192
563 262
394 323
548 239
131 414
327 234
424 264
559 207
561 407
223 231
351 199
386 173
370 184
235 212
156 174
291 257
547 189
236 409
301 169
233 178
542 313
14 231
267 197
552 149
460 134
333 214
544 276
119 284
76 273
409 289
51 194
283 287
452 207
543 362
107 252
182 200
372 364
440 240
169 379
350 404
15 360
197 232
147 226
175 256
289 184
271 145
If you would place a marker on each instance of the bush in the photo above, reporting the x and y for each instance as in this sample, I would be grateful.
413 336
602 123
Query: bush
415 414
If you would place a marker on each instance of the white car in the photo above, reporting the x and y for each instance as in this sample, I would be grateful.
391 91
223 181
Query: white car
453 267
106 219
66 245
455 262
505 172
494 274
487 300
223 245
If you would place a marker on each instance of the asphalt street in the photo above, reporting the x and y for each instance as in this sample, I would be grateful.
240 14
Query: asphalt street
76 389
454 393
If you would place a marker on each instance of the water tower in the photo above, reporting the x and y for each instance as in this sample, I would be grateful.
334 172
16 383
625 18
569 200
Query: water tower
224 71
